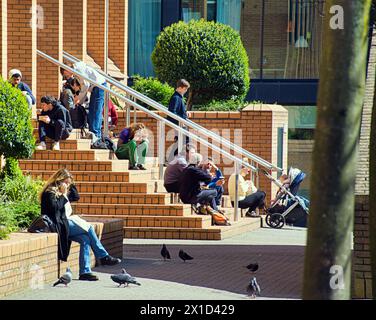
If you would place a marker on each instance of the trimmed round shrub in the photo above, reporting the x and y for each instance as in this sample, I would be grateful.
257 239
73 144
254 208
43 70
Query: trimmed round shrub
154 89
16 130
210 55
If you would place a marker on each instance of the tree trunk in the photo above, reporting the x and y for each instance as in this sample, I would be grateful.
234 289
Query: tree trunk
327 273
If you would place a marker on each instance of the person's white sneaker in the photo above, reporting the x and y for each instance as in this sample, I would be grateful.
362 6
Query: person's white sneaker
56 146
41 146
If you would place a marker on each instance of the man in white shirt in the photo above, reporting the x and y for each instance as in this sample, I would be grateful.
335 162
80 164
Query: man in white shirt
96 103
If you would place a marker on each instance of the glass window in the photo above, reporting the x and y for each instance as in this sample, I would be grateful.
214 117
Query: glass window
302 122
192 9
291 38
212 10
229 12
144 27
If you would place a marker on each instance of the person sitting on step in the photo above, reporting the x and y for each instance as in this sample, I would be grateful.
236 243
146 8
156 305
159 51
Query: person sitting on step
56 197
15 77
192 190
133 145
217 182
175 168
249 197
54 123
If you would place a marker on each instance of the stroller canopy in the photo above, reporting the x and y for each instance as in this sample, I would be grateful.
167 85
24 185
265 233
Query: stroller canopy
296 177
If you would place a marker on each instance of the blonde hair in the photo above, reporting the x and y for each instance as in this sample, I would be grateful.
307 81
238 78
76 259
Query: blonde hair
135 127
53 183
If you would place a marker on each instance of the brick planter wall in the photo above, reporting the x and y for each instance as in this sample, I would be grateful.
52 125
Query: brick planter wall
362 278
255 128
29 260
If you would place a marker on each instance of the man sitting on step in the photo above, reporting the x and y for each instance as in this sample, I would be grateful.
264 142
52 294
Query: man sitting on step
54 123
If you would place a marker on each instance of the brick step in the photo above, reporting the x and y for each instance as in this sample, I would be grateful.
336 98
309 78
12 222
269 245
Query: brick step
132 209
127 198
78 144
75 134
193 221
103 176
74 165
116 187
209 233
73 155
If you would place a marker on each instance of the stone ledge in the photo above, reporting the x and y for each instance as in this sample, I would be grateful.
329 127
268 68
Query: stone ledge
29 256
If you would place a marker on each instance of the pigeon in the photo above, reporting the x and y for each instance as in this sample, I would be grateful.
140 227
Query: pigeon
165 254
253 267
253 288
124 278
184 256
65 278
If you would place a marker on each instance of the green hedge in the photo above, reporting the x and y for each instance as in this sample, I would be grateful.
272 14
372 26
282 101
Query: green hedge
154 89
210 55
19 203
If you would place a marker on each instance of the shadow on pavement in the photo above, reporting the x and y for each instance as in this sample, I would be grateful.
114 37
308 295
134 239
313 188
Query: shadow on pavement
220 267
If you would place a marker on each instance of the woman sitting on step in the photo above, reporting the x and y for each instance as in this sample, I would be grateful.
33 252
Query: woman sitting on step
56 196
133 145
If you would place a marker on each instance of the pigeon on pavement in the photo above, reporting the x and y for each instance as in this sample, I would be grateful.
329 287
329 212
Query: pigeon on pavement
184 256
165 253
124 278
253 267
65 278
253 288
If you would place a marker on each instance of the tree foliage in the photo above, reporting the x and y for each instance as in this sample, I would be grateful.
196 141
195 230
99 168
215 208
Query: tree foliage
16 130
210 55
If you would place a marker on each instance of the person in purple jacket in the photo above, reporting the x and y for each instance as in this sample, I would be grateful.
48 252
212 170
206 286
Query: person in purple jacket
133 145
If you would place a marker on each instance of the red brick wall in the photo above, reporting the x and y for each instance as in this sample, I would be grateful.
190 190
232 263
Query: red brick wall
3 39
254 129
75 28
22 40
95 30
50 41
118 30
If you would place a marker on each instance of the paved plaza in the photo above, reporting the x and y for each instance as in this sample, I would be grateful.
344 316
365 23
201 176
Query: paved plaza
217 272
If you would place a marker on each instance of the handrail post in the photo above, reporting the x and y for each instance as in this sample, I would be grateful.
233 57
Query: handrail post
236 200
128 114
180 139
107 95
134 111
161 148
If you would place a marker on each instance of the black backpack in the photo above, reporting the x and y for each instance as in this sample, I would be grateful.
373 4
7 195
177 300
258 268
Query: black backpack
78 117
104 143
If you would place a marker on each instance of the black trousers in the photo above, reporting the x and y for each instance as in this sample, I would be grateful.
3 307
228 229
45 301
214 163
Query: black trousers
252 201
56 132
172 187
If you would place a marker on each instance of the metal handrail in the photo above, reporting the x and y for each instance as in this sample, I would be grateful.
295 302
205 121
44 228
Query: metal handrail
152 114
188 123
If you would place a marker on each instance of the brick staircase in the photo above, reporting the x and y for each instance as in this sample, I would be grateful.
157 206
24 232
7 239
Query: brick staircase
109 190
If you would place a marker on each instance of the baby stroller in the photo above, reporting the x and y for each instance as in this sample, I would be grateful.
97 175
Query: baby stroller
288 208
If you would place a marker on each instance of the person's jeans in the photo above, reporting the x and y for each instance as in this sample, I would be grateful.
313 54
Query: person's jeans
135 153
220 192
95 115
57 132
208 197
86 240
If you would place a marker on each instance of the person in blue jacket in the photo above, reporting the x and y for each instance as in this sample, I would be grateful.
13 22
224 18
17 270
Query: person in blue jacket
177 106
15 77
217 182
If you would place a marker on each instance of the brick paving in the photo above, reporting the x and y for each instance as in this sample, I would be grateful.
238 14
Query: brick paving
220 267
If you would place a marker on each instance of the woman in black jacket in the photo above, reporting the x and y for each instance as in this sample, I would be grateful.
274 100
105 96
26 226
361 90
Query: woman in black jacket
56 196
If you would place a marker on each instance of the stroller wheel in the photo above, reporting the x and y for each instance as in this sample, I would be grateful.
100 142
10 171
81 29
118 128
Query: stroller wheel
275 220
